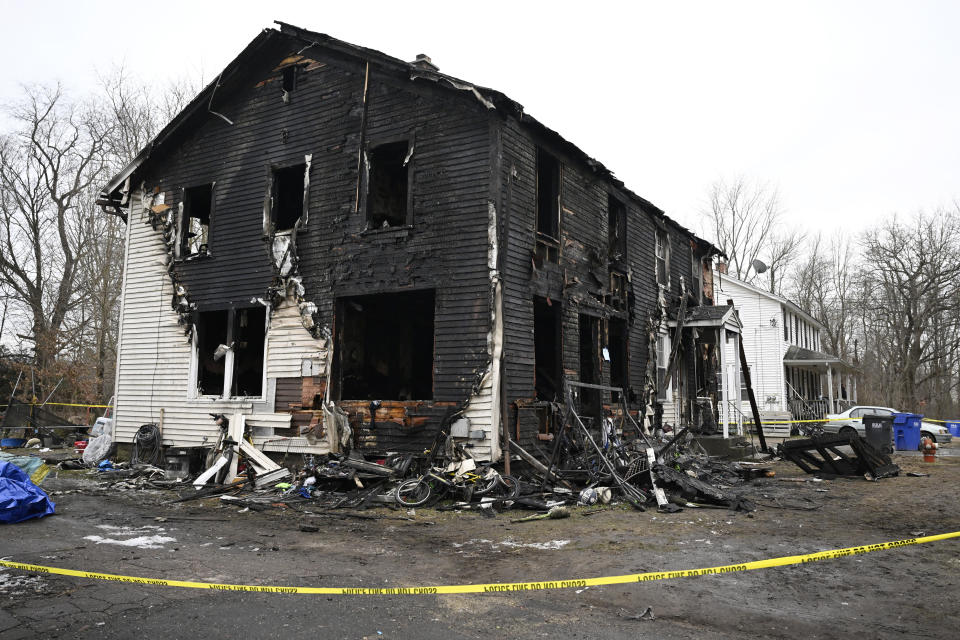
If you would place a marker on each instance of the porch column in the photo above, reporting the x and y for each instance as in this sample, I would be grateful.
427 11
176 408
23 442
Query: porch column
738 395
846 388
854 389
830 388
724 383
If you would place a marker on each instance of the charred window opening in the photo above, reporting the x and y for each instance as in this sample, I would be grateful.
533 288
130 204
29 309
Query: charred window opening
288 185
663 362
547 346
548 195
589 364
663 258
388 185
616 229
211 333
290 76
230 347
385 346
619 365
195 223
249 334
619 293
696 268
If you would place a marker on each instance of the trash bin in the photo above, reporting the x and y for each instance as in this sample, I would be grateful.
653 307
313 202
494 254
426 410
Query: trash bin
879 432
906 431
953 426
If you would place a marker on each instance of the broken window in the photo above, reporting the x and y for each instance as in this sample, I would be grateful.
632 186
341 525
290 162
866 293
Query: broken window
548 195
287 196
696 268
249 333
211 327
663 362
663 258
289 80
384 346
388 200
618 353
616 229
546 341
195 221
229 345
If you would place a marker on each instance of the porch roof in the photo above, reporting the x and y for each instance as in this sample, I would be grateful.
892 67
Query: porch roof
800 357
711 316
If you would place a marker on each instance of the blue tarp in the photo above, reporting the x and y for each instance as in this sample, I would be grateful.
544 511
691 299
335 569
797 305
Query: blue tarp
20 499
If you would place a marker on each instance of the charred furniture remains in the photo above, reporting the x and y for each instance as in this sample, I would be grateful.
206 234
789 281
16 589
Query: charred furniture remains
823 455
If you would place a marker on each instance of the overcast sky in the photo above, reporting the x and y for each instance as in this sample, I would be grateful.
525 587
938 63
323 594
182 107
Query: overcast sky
851 109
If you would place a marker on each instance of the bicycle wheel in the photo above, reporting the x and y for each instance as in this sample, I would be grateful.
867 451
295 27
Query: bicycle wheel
413 492
508 487
486 484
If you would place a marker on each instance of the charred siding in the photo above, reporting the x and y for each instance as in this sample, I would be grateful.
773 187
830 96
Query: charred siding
579 278
445 248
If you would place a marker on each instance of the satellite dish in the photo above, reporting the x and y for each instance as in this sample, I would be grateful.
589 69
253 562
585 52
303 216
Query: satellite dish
758 266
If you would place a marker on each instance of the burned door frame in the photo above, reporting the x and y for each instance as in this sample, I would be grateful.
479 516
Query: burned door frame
591 400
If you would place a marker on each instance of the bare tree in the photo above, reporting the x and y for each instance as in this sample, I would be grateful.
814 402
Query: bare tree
746 220
910 297
822 283
49 167
139 111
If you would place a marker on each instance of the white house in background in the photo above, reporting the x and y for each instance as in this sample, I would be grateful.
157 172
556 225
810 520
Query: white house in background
791 374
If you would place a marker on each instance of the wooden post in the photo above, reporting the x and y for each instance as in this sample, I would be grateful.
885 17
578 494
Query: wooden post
830 388
752 398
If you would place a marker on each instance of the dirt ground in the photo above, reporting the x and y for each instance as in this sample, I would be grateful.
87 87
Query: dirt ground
908 592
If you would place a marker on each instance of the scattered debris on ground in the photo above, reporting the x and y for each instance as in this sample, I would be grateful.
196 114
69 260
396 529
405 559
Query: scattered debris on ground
590 461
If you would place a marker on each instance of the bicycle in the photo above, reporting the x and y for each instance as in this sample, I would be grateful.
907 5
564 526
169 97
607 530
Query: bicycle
438 482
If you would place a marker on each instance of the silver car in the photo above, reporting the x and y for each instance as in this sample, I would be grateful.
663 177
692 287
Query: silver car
852 419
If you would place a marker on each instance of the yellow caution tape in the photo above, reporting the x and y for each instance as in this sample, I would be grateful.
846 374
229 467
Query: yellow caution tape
496 586
66 404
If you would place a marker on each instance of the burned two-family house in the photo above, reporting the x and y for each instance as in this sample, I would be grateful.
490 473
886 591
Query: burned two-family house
328 237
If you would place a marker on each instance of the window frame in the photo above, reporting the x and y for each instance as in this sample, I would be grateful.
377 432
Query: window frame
270 206
616 219
193 380
696 266
364 201
556 203
183 215
662 244
663 350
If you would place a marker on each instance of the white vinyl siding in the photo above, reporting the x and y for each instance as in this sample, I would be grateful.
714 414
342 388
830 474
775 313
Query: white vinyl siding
155 356
763 343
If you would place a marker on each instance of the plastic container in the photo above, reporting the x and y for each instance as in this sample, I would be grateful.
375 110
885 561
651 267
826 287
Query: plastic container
953 426
907 438
13 443
912 420
879 432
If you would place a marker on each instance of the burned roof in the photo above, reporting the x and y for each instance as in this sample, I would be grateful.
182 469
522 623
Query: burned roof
415 71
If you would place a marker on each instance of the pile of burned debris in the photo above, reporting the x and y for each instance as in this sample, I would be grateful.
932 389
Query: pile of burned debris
610 460
604 460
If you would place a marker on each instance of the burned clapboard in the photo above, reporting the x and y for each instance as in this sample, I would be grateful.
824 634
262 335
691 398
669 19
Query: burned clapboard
822 454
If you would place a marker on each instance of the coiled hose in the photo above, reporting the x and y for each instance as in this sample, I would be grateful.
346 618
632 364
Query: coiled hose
147 447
